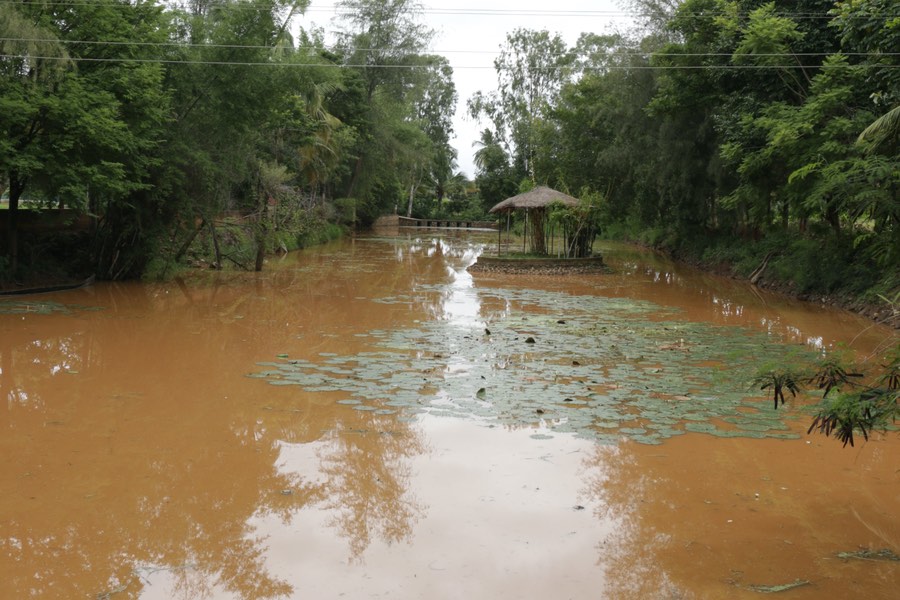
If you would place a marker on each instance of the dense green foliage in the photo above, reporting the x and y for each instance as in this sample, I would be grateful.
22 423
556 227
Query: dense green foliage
197 125
725 131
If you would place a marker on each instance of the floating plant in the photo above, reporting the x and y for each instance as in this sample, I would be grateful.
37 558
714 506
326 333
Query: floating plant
598 367
39 307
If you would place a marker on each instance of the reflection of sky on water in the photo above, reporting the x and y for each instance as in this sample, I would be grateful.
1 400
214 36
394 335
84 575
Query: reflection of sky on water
462 305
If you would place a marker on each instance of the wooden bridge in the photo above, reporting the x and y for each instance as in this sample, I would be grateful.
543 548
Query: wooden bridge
440 223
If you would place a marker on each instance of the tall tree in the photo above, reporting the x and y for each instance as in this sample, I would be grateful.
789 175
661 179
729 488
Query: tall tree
90 130
383 42
379 36
237 73
495 178
434 103
34 65
605 139
531 69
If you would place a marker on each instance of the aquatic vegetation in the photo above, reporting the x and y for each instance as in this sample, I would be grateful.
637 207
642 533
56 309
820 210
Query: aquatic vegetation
598 367
867 554
40 307
775 589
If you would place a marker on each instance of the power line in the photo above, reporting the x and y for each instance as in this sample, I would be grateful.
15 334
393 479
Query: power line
614 54
213 62
472 11
411 67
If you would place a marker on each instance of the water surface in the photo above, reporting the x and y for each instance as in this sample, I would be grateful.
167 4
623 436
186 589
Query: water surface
367 419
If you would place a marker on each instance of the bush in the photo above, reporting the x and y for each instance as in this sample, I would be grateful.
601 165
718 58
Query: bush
825 266
817 262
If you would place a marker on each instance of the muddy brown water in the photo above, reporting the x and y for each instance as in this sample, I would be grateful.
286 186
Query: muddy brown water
141 461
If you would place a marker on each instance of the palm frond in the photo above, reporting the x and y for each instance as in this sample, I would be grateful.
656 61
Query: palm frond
884 130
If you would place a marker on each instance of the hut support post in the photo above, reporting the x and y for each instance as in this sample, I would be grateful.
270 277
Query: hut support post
525 231
508 225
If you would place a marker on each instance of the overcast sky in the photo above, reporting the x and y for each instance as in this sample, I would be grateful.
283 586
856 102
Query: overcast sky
470 34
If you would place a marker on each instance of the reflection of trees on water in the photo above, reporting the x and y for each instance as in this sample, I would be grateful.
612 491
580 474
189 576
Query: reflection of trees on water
366 475
153 459
105 515
719 516
161 518
628 555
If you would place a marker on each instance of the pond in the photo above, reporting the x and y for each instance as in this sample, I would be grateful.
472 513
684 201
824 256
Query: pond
370 419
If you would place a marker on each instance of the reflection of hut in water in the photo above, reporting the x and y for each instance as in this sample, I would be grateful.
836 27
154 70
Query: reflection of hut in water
578 230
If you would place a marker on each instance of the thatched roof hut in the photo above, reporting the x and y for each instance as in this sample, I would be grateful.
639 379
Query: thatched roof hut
538 198
535 204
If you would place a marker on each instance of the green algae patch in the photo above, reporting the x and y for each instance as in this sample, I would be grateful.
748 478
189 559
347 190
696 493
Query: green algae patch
602 368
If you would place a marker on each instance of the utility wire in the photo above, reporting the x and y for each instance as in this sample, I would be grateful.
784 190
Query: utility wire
387 66
472 11
333 47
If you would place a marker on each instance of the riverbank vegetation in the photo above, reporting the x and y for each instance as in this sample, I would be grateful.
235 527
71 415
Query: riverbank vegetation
850 403
756 137
211 130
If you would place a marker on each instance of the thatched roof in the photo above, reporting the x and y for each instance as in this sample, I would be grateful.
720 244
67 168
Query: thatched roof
539 197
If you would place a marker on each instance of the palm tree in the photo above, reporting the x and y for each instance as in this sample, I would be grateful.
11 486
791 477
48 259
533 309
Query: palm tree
883 134
485 157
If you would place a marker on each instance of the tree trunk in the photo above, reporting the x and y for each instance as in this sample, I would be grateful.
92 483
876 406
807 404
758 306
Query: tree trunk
16 187
215 240
260 248
412 194
538 242
262 225
833 217
190 240
357 169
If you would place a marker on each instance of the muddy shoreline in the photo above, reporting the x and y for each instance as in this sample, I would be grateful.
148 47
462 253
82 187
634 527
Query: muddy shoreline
881 313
